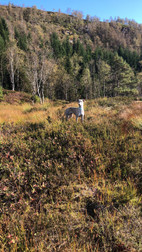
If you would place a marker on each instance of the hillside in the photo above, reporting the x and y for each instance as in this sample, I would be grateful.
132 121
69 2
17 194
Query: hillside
68 186
63 56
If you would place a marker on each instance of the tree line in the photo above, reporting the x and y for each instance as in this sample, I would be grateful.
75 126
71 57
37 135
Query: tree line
65 68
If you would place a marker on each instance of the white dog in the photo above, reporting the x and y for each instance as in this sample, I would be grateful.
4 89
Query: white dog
78 112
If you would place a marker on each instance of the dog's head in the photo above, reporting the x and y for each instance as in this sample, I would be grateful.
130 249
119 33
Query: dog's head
80 102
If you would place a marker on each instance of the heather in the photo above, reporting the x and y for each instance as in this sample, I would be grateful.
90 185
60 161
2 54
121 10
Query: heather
67 186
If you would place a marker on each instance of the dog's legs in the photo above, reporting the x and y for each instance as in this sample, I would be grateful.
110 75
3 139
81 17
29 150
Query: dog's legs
71 115
82 118
68 116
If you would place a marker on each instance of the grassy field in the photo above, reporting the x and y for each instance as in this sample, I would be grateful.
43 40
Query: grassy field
68 186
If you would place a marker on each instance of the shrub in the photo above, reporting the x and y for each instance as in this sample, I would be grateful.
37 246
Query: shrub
35 99
70 187
1 93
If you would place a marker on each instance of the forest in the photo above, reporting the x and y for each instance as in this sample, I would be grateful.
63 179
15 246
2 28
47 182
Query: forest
60 56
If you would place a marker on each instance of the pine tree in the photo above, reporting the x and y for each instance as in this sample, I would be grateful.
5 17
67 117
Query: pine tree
4 30
56 45
4 38
74 46
139 79
68 65
22 40
2 44
87 54
80 49
68 47
123 77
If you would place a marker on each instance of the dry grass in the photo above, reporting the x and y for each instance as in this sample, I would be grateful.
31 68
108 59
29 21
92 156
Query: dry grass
12 113
133 114
132 111
20 113
67 186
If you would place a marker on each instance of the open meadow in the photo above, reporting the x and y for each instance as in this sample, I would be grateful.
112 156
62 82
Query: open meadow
68 186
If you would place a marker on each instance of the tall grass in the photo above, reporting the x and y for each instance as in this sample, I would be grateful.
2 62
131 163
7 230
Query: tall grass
13 113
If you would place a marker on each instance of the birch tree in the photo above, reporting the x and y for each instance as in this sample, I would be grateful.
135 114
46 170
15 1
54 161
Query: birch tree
39 71
14 58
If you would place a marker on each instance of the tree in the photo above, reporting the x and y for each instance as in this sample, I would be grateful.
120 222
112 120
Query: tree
39 71
63 84
104 72
78 19
4 32
80 49
56 45
98 54
21 40
88 54
123 77
14 58
88 18
85 84
2 47
68 65
139 79
132 58
77 14
76 62
4 38
42 75
67 47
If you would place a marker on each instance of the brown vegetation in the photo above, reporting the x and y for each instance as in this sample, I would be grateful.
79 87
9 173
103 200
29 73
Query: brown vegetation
68 186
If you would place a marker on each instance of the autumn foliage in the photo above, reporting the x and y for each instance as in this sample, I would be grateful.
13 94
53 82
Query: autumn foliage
68 186
66 57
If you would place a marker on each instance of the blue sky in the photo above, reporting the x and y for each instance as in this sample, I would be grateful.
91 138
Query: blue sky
103 9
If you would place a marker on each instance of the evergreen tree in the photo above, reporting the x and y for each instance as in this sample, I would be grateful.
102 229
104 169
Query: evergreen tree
121 51
80 49
4 38
132 58
123 77
74 46
87 54
22 40
4 30
56 45
139 79
68 65
2 44
98 54
68 47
